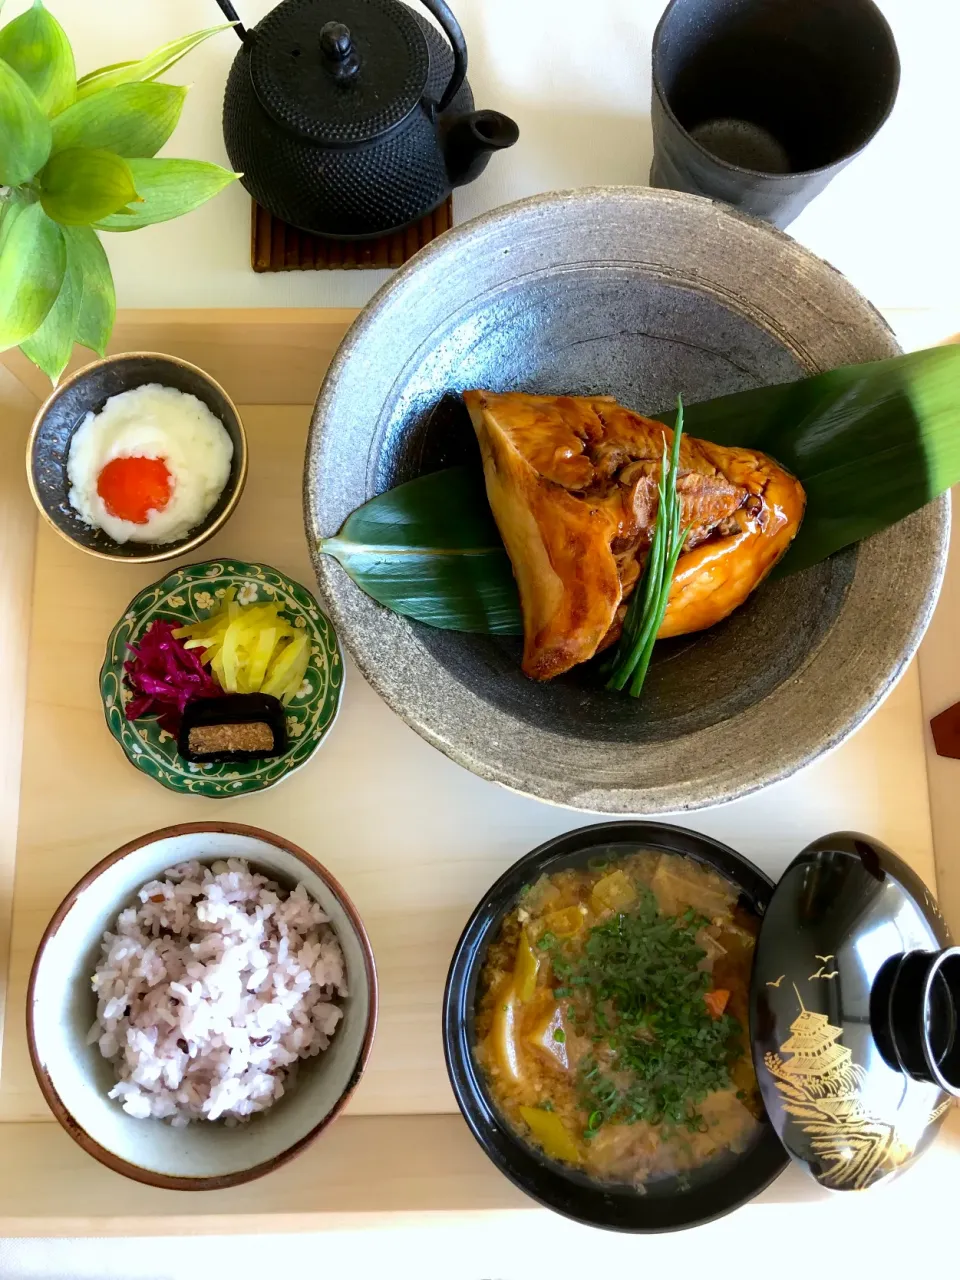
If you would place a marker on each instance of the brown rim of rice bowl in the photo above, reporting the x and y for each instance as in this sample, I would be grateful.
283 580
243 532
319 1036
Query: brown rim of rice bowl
218 1182
203 531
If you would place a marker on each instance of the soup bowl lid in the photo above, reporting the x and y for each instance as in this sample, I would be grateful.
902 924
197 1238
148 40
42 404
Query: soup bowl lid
854 1004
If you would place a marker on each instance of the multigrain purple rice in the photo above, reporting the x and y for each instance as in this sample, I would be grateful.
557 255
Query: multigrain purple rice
211 989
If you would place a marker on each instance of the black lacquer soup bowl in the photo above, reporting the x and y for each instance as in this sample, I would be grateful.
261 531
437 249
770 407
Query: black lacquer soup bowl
668 1203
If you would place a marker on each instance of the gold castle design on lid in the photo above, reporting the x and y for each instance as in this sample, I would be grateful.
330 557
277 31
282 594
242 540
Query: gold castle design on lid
820 1085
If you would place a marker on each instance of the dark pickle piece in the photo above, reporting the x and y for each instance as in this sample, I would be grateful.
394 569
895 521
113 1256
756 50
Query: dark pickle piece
233 728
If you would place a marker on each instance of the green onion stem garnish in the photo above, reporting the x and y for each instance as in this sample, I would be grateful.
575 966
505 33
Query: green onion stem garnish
659 1052
649 601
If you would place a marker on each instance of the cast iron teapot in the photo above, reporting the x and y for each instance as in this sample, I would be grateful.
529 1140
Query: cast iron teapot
354 118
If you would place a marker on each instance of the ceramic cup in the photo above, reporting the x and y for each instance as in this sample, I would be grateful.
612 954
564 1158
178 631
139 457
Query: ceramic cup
761 102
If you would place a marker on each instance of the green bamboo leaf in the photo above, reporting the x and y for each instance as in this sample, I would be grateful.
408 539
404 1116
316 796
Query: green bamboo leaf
32 263
430 549
37 48
148 68
870 443
24 130
130 119
168 188
81 186
51 345
98 299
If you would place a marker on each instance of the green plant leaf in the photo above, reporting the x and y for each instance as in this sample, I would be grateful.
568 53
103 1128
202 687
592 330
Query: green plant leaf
81 186
870 443
430 549
24 130
94 81
51 345
98 299
10 206
37 48
32 262
168 188
131 119
148 68
8 216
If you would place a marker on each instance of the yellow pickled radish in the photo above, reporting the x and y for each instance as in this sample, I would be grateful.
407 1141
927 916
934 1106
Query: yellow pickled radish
287 669
260 657
230 657
251 649
216 666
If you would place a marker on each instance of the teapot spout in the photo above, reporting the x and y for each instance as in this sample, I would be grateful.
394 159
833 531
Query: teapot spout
470 140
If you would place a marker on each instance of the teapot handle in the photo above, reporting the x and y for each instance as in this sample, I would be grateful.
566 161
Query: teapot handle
231 15
451 29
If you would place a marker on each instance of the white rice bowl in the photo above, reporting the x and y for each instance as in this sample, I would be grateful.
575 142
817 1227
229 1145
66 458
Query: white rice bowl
152 421
211 989
75 1078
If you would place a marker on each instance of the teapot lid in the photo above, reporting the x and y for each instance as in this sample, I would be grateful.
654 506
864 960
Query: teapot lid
340 72
854 1004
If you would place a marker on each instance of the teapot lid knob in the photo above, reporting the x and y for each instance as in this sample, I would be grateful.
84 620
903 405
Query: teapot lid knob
338 51
336 41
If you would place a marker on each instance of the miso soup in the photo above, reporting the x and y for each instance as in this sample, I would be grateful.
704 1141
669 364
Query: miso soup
612 1017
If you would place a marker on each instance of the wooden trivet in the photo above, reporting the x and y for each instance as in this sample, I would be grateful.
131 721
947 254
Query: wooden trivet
279 247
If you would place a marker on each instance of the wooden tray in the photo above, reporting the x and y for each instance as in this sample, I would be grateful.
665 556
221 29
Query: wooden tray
414 838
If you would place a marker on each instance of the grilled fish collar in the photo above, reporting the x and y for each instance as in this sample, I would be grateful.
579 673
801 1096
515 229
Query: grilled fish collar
572 483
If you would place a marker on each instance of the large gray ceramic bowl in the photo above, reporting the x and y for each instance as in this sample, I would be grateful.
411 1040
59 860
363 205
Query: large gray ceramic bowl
640 294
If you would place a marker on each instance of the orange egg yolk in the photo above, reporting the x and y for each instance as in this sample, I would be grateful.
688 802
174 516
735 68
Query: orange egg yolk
131 488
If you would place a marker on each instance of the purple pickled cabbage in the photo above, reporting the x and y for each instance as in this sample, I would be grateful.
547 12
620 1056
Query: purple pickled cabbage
164 675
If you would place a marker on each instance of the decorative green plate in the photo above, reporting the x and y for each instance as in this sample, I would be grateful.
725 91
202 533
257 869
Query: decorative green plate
189 594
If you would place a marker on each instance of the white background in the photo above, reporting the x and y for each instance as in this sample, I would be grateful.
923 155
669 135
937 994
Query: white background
575 76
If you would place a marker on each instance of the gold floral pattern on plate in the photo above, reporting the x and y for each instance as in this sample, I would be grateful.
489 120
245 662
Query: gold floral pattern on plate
190 593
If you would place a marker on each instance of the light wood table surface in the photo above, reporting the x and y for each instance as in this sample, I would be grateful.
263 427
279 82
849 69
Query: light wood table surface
576 78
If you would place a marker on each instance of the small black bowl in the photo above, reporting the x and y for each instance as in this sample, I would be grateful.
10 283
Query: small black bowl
90 388
669 1203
